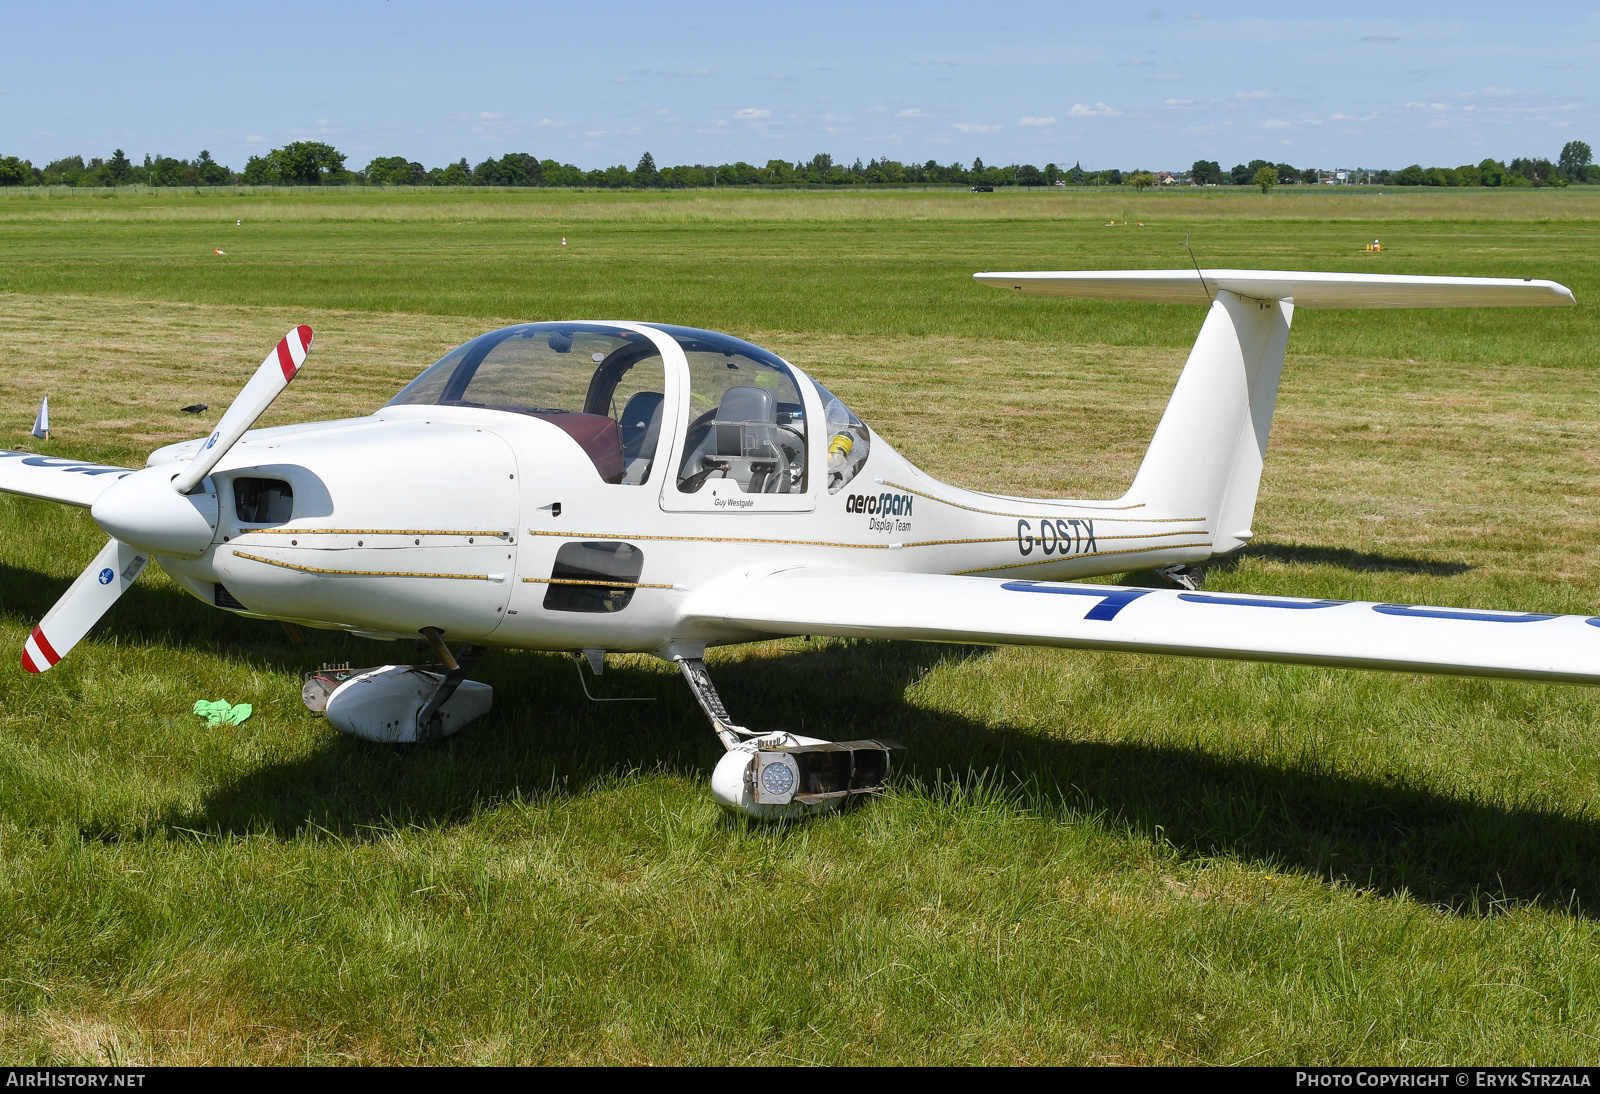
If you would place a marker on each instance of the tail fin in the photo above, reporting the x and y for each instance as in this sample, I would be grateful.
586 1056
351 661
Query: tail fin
1206 456
1207 453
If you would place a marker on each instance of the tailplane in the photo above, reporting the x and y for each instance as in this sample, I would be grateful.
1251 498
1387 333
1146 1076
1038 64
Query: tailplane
1207 453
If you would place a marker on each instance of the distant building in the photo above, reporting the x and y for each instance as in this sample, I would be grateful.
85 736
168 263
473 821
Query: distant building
1165 178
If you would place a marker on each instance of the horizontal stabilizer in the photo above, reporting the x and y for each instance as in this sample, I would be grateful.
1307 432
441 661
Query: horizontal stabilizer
50 478
1316 291
1241 626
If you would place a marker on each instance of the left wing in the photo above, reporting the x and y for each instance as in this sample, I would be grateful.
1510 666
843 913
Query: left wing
1341 633
50 478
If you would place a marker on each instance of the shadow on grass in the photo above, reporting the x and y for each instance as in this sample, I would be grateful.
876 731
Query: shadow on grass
1342 557
545 739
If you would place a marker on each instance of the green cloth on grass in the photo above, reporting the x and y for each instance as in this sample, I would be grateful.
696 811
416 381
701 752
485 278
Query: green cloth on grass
220 712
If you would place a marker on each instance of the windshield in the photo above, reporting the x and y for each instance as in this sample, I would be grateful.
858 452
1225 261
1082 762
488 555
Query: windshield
747 421
602 386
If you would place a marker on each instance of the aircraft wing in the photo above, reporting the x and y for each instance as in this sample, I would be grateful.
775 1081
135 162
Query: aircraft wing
49 478
1240 626
1316 291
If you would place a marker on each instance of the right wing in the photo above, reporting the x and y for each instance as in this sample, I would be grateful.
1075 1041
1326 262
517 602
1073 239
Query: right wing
1340 633
51 479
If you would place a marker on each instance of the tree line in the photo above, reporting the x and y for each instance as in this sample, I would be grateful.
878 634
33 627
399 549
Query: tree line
1574 164
314 163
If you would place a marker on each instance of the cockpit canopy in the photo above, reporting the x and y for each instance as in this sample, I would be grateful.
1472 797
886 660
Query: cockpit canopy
604 386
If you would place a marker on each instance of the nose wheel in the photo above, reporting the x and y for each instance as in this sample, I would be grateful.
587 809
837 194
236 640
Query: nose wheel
775 775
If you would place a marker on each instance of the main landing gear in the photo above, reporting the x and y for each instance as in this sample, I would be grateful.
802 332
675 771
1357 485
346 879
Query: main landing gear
783 774
766 775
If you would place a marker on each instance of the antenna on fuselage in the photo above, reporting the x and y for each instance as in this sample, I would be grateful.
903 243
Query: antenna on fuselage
1196 262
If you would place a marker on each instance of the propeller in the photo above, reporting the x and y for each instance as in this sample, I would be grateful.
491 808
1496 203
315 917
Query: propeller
281 366
157 512
117 566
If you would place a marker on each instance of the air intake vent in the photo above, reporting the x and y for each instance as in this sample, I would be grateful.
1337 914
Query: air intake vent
222 598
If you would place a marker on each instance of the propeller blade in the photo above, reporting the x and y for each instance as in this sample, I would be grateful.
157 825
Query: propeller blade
117 566
281 366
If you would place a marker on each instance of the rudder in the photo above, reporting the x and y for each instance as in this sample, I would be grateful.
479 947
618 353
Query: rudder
1207 453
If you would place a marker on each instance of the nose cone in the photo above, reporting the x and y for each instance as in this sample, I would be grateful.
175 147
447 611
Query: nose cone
144 510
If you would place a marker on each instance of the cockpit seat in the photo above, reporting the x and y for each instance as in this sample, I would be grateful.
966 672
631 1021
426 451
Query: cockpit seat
641 430
743 420
747 440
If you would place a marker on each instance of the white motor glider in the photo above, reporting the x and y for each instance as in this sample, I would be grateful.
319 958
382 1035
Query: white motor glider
609 486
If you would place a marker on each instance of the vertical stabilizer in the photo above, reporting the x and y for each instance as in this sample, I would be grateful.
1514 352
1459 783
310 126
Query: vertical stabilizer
1206 456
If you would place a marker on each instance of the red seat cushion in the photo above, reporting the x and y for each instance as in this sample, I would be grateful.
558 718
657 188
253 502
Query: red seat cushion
597 435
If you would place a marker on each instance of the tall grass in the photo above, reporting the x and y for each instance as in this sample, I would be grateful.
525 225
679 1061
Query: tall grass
725 205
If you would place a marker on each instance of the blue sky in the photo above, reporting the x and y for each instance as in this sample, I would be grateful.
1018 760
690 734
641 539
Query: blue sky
1157 85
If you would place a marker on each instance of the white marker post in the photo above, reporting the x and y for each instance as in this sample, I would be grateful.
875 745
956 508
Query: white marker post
41 421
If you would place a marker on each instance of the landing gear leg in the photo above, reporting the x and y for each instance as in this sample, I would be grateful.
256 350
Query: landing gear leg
705 693
783 774
430 725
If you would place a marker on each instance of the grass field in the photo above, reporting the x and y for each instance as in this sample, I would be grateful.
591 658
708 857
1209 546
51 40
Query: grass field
1088 858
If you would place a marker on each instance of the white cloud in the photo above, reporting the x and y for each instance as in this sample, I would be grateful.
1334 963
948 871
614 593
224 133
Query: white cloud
912 112
751 114
254 139
1165 78
1179 102
487 116
594 132
1098 110
1274 123
969 127
1245 96
1037 121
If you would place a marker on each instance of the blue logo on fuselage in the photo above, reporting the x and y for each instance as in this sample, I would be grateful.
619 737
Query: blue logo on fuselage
106 575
